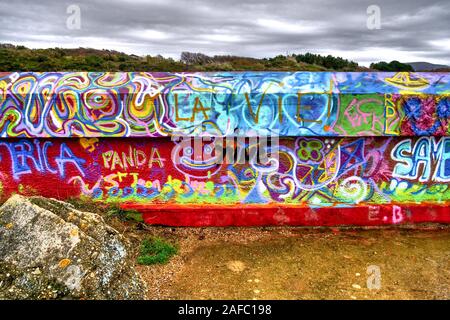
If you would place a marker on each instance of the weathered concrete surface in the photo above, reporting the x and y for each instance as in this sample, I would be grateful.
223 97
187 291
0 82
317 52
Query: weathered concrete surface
298 263
48 249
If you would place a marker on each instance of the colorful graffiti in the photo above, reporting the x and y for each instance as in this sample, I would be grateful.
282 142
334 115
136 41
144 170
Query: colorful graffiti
93 104
191 148
300 172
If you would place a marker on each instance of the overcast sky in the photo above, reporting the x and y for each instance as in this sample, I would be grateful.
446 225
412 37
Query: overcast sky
411 30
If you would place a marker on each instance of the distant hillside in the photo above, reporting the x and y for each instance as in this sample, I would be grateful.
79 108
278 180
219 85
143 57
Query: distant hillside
426 66
20 58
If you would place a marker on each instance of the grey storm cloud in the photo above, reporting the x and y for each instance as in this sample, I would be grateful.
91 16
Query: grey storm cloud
410 29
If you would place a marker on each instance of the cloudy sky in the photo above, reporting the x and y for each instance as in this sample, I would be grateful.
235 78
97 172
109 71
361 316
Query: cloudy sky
410 30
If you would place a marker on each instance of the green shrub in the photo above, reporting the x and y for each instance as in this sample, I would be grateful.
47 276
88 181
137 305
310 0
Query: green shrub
155 250
393 66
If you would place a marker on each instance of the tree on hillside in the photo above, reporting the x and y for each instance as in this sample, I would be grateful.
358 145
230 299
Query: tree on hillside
393 66
329 62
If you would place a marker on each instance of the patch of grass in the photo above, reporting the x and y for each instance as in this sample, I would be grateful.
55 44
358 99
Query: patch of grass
156 251
83 203
108 211
124 215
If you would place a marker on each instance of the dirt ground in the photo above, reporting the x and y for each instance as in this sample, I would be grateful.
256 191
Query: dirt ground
294 262
301 263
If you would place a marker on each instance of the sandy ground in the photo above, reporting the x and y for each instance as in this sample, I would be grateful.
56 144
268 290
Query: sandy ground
301 263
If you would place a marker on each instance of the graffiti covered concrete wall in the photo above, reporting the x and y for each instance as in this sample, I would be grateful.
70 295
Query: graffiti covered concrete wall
162 104
351 148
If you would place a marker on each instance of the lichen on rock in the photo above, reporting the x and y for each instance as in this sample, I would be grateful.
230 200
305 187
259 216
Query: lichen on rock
50 250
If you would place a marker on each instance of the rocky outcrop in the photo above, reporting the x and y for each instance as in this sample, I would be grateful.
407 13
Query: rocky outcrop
50 250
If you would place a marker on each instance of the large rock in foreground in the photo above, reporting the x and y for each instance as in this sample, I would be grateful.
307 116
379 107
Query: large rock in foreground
48 250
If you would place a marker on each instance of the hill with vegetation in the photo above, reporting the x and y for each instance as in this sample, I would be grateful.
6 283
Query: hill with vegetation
426 66
20 58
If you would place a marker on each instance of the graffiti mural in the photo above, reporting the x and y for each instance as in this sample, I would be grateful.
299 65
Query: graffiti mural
299 172
192 149
251 103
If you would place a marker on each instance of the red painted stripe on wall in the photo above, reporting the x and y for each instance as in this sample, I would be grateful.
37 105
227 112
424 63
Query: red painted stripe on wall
362 215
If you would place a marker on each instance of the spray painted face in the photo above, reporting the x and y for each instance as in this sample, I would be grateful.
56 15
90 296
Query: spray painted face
196 158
